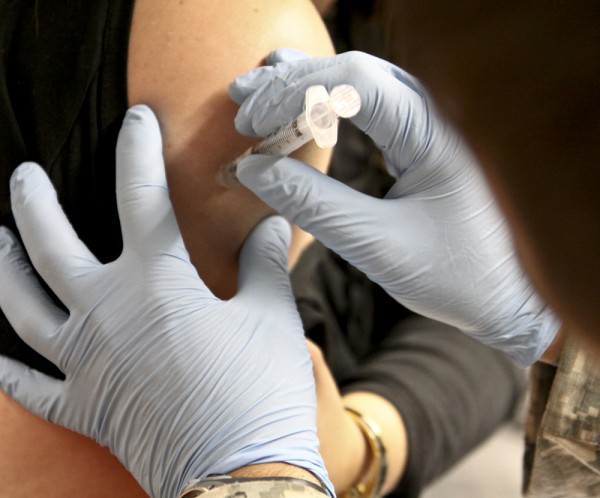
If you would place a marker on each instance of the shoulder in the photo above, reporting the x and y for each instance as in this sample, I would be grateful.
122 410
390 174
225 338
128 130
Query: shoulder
182 57
181 51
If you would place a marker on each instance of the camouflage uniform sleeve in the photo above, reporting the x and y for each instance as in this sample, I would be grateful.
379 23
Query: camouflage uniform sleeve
562 458
253 487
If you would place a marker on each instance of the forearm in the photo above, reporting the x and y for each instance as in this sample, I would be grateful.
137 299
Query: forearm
446 394
552 354
277 469
451 392
379 410
344 446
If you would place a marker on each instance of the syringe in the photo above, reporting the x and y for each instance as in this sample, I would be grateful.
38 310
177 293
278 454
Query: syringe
319 121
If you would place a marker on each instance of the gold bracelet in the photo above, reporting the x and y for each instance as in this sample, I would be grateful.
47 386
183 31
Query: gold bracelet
372 433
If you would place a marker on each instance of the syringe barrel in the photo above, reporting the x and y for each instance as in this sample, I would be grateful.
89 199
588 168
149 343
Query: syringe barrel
281 142
318 123
286 139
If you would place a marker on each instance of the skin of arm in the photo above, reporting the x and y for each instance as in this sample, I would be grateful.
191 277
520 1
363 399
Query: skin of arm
182 57
344 448
165 72
552 354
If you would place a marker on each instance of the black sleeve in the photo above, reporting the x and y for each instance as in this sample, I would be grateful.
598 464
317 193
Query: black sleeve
451 391
63 96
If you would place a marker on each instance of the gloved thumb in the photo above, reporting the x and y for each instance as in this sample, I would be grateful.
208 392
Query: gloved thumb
279 61
33 390
147 219
286 54
263 270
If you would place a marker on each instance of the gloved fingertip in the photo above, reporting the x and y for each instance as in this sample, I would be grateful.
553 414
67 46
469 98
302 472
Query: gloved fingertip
22 173
237 92
6 235
7 241
286 54
26 386
136 112
24 179
140 133
280 227
256 170
139 113
243 124
244 85
264 256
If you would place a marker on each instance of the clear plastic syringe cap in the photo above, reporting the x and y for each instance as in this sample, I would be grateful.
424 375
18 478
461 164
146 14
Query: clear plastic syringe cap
323 110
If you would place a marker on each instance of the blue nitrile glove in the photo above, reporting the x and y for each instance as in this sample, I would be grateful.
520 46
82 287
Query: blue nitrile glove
437 243
176 382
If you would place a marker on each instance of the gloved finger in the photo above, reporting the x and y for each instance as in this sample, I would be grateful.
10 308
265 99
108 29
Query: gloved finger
32 389
331 211
281 98
27 306
147 219
383 123
54 248
263 273
269 81
286 54
278 62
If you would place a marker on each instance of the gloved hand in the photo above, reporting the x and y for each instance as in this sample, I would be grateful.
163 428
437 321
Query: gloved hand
177 383
437 243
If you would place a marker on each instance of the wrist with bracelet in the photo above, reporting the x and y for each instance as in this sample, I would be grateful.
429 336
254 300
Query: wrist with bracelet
373 487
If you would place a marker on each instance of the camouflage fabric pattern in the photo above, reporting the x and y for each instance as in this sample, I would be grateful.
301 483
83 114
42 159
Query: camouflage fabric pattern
260 487
562 457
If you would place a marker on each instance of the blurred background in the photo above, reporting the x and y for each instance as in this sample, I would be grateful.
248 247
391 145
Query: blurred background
493 470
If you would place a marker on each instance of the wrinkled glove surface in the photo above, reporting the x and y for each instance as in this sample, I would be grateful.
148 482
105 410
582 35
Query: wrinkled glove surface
177 383
437 243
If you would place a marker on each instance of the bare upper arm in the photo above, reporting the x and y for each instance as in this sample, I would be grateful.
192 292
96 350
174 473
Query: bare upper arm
182 57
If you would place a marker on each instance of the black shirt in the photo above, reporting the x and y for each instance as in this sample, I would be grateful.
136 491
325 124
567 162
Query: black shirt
63 95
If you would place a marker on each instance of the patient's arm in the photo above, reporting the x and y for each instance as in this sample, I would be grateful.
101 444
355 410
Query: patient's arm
182 56
182 71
